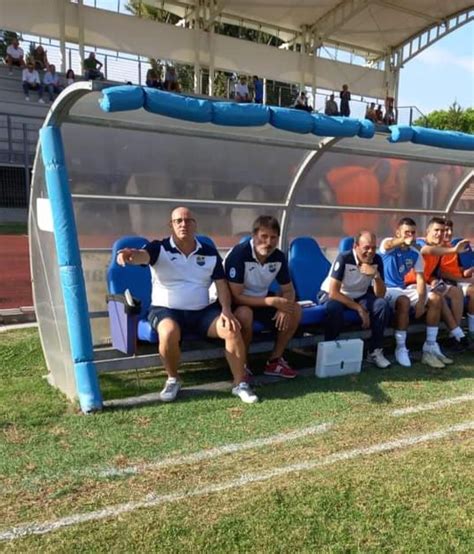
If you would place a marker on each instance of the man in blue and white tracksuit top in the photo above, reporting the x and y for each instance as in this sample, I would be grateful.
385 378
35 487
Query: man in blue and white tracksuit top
356 281
182 270
251 268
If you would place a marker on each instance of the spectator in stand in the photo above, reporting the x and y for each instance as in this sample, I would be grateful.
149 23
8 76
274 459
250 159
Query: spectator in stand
258 90
370 112
31 81
153 79
70 77
92 67
40 59
242 91
456 276
345 97
171 79
356 281
15 56
389 117
301 103
331 106
379 114
51 82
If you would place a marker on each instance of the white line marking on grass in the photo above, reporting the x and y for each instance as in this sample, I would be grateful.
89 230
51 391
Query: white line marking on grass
152 500
218 451
432 405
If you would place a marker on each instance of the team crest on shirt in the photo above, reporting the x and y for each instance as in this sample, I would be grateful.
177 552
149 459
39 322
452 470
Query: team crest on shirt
409 263
232 272
272 268
200 260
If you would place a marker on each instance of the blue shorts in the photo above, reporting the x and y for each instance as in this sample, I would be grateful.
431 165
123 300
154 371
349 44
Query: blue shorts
265 315
192 321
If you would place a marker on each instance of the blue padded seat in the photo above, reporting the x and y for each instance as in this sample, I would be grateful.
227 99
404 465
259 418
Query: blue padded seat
308 269
466 258
346 243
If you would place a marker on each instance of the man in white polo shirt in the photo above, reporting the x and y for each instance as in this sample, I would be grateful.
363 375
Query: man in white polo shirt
182 270
15 55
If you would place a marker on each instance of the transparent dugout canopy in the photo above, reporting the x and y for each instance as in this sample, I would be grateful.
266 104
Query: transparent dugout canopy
128 170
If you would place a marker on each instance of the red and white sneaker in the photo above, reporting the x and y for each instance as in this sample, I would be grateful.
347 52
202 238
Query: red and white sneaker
280 368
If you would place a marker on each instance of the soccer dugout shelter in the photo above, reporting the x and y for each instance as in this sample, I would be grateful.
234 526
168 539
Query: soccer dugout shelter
114 162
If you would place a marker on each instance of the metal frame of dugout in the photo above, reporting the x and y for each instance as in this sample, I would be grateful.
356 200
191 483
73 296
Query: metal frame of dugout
101 175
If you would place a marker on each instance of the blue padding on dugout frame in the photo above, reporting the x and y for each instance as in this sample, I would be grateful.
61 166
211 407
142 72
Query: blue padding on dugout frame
122 98
70 270
443 139
400 133
240 115
366 129
334 126
178 106
288 119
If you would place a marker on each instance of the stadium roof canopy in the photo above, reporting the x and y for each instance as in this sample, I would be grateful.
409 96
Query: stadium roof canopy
372 28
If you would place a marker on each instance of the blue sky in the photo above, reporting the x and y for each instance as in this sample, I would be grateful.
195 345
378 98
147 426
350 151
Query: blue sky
441 74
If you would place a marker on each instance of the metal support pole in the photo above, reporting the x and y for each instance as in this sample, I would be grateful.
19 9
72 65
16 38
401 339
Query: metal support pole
62 34
26 162
9 138
80 24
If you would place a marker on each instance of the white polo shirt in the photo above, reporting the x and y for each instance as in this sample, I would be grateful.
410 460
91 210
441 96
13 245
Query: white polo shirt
179 281
30 77
15 53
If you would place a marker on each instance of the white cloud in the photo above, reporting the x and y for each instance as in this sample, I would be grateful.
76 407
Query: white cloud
441 57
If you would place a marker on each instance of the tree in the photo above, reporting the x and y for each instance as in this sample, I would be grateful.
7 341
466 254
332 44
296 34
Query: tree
455 118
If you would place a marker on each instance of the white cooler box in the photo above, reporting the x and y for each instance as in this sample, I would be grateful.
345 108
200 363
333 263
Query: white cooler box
339 357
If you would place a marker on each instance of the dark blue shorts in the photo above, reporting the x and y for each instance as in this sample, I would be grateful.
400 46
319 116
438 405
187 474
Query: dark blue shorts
192 321
265 315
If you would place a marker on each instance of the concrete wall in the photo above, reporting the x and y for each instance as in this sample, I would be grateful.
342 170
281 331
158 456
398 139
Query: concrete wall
137 36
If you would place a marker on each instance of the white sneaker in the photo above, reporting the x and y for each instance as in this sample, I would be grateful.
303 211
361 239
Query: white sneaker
436 350
172 387
27 98
402 356
430 359
245 393
376 357
40 101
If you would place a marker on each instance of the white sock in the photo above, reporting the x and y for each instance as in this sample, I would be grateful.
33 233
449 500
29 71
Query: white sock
470 321
401 339
457 333
431 335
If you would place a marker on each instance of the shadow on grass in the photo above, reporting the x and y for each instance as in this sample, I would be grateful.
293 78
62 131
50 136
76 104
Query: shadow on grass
195 378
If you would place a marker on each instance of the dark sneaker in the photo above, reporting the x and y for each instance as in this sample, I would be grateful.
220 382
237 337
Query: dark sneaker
462 345
280 368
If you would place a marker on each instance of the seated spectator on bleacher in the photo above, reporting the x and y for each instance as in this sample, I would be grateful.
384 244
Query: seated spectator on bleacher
153 79
51 82
242 94
301 103
31 81
40 58
251 267
356 281
92 67
182 270
70 77
400 255
331 106
258 90
370 112
455 275
15 56
171 80
379 114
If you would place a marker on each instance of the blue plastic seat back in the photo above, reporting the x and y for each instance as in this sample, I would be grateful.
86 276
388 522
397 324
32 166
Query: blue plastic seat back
136 278
203 239
466 258
346 243
308 267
